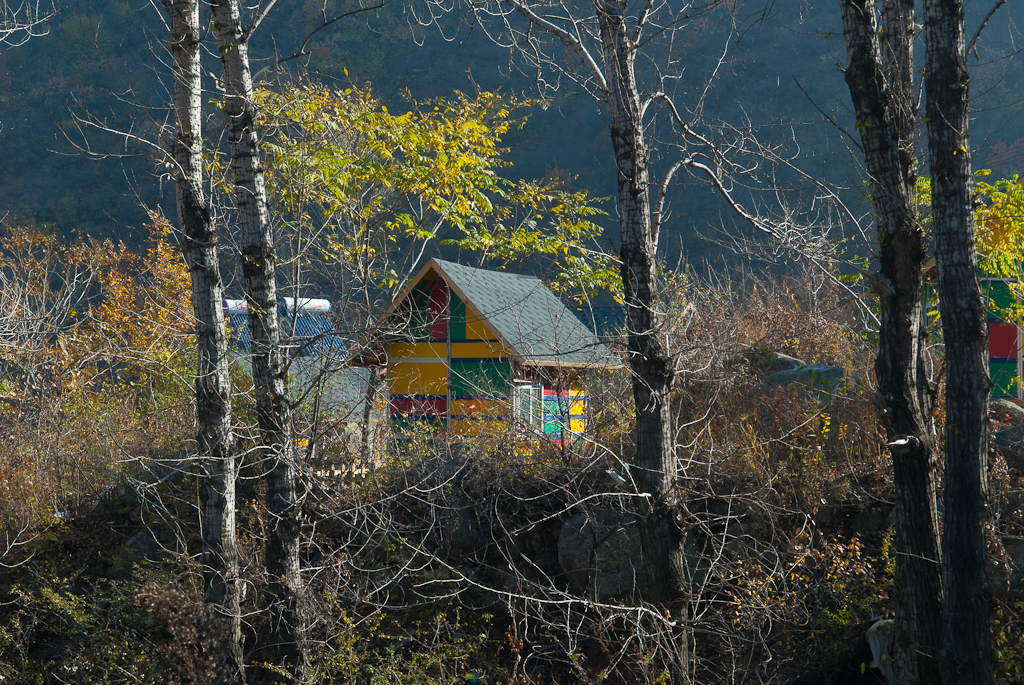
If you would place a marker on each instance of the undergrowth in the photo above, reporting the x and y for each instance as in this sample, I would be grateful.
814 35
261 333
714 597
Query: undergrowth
441 561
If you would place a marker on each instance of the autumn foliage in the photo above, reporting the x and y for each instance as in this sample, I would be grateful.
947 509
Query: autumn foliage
96 368
427 569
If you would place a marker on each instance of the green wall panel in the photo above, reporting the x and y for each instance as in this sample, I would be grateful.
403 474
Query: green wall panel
1004 378
480 377
1000 297
457 320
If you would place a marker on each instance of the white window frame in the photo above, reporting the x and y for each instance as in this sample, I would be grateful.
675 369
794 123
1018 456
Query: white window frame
531 415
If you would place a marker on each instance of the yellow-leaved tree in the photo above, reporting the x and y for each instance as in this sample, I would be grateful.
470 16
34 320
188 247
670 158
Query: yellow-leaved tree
1000 225
371 188
361 194
999 222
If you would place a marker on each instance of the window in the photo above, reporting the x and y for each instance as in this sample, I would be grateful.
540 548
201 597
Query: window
528 405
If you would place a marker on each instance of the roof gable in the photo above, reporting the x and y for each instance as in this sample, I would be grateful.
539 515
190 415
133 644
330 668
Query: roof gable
534 324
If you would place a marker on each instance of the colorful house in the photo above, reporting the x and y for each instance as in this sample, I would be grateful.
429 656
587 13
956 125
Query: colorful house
1004 341
470 351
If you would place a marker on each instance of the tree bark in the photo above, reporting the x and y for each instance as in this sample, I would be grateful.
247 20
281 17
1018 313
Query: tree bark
213 384
968 647
661 531
880 79
259 257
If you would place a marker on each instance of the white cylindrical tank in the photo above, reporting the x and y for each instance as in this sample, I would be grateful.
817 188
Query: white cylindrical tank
307 305
236 307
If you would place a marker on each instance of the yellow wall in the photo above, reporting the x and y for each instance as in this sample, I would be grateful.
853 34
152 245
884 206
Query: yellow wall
419 378
477 329
428 350
477 350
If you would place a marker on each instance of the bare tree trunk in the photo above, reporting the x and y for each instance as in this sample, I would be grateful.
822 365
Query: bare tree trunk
880 79
259 257
661 530
965 485
213 384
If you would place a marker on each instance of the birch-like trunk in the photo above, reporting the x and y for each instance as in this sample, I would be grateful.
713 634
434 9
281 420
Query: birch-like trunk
661 531
880 79
213 384
259 257
968 647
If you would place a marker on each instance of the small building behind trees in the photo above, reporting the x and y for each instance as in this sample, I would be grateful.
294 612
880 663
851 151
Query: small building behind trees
472 352
325 386
1004 338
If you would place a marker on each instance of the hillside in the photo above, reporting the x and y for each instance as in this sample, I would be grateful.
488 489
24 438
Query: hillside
98 64
343 420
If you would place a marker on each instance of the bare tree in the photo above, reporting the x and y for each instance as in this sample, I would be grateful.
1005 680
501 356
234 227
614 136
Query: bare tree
879 73
259 262
215 440
880 78
968 647
21 23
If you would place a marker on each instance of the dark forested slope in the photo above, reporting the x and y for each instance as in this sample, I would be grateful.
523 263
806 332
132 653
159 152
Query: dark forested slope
105 62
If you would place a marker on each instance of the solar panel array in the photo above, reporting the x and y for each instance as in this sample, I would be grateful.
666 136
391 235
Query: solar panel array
314 335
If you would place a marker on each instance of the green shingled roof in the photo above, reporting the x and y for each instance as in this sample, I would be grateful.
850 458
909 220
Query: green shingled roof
528 317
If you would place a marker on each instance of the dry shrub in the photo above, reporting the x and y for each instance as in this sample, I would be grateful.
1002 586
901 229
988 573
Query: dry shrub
190 634
95 372
763 465
730 425
805 315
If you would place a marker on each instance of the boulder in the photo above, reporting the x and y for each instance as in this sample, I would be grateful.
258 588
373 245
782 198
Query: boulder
139 547
821 380
1015 565
1005 411
880 636
600 553
763 361
871 518
1010 444
821 377
463 532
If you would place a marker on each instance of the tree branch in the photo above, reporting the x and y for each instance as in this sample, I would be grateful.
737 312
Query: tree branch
571 41
984 22
302 52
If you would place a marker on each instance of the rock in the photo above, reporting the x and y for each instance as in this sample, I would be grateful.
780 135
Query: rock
463 532
1015 552
870 519
1010 444
1006 411
880 637
763 361
601 554
695 554
819 380
139 547
826 518
821 377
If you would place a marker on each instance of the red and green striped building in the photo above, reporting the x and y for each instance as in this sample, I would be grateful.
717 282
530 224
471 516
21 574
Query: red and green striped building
1004 340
